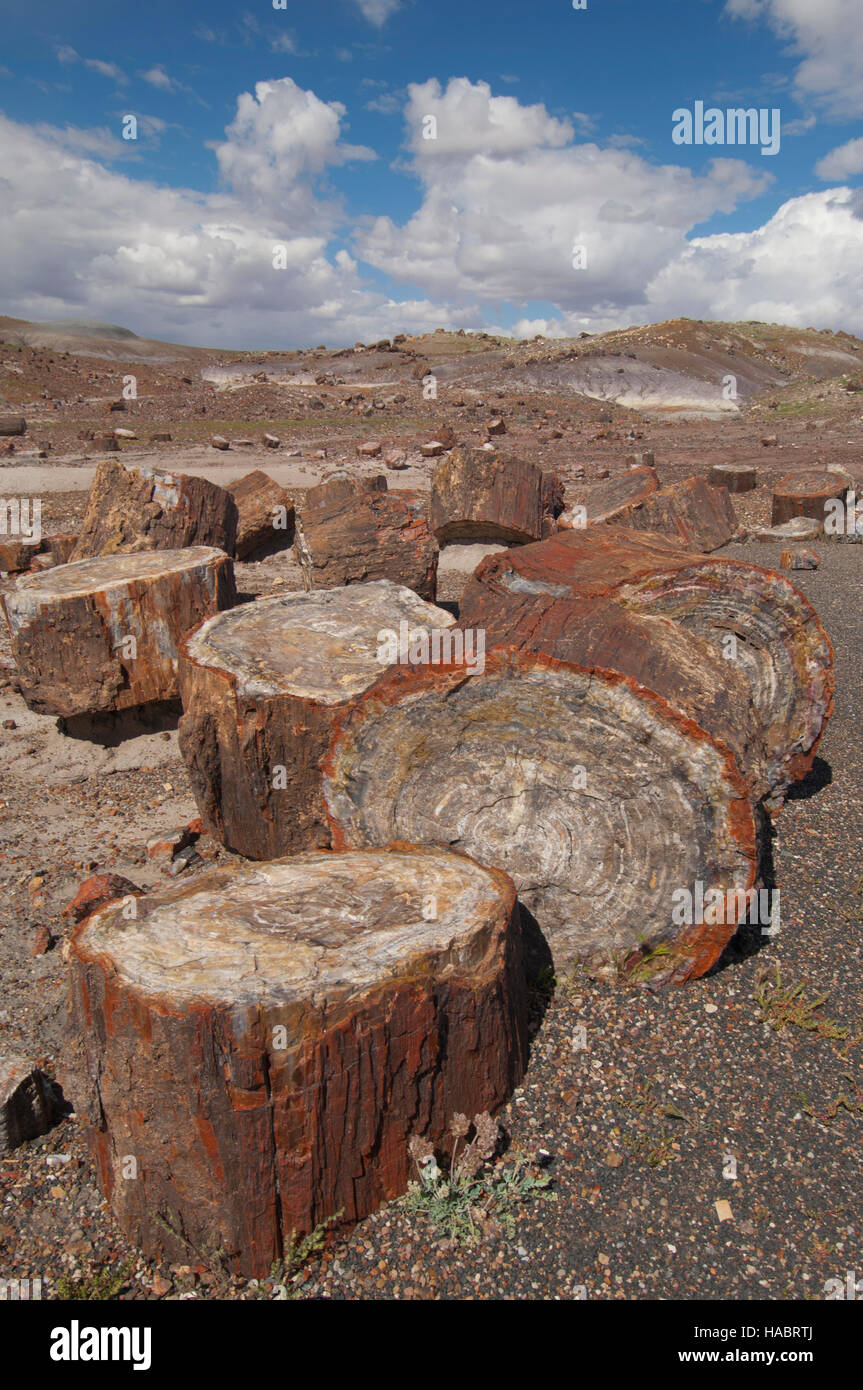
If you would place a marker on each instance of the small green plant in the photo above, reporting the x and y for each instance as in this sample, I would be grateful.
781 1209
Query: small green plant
98 1284
298 1252
852 1103
786 1006
473 1195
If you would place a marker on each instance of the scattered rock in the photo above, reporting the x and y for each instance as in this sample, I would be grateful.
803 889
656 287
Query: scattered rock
799 559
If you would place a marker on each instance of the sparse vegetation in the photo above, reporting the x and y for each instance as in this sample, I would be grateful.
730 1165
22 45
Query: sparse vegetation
473 1196
97 1284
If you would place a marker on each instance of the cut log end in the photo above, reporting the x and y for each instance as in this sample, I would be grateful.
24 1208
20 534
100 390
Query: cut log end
102 634
595 797
326 646
261 687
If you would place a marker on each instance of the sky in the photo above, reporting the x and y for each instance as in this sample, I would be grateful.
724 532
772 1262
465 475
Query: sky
340 172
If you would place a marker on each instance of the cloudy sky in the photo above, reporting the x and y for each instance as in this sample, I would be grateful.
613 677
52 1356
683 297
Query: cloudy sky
422 165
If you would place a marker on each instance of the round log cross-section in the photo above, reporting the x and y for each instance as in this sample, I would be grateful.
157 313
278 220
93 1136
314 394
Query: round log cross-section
261 686
255 1048
597 798
100 635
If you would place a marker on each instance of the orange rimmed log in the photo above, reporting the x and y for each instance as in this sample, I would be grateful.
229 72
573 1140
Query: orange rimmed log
261 687
591 792
252 1050
760 624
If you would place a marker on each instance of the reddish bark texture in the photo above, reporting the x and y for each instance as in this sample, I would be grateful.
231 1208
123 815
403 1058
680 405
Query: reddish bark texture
479 496
132 507
237 1142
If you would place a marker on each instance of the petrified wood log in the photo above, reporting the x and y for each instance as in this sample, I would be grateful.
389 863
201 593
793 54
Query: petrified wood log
759 621
685 669
339 484
702 517
103 634
592 793
737 477
16 556
478 496
367 535
132 507
605 500
806 493
12 424
261 686
261 1043
265 514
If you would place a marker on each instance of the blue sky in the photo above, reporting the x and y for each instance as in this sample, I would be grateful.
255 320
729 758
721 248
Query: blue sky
302 126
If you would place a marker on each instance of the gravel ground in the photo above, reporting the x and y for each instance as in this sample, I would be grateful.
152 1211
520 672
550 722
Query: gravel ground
637 1128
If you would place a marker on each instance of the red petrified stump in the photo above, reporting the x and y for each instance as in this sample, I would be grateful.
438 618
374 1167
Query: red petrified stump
255 1048
261 686
103 634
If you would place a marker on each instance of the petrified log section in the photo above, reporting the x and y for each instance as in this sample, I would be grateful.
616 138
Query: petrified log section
762 625
478 496
356 536
265 514
103 634
132 507
261 1043
702 517
12 424
605 500
261 686
737 477
685 669
806 493
596 797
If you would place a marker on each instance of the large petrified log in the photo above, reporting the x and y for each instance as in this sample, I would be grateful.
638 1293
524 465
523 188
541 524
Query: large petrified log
256 1047
132 507
685 669
477 495
702 517
762 625
806 493
605 500
350 537
261 686
593 794
265 514
103 634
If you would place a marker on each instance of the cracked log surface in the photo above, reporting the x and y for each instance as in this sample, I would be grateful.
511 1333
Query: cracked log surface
605 500
133 507
806 493
653 651
264 1040
596 797
71 626
351 537
760 623
700 516
261 686
265 514
478 496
